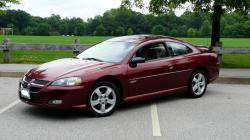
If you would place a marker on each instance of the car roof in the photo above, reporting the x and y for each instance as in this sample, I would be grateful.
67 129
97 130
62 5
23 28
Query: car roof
142 38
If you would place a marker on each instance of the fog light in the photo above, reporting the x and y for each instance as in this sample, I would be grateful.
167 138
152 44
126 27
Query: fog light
56 102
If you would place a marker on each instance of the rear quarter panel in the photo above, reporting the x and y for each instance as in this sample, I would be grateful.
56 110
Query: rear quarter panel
210 61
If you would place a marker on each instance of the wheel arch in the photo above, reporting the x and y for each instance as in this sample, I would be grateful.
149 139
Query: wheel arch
114 80
204 69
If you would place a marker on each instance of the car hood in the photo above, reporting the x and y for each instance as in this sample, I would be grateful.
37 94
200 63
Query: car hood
63 67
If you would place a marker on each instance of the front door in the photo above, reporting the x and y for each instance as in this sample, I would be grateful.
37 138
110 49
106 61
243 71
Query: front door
153 75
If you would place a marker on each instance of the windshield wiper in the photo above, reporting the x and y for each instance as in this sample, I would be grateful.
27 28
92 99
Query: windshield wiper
95 59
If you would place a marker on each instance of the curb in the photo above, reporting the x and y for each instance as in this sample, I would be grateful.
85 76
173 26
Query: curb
220 80
12 74
233 80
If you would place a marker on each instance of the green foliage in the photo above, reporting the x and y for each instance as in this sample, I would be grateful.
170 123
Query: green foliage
123 21
64 29
100 30
130 31
191 32
55 33
4 2
163 6
28 30
158 30
174 32
42 29
205 30
16 18
120 31
218 7
79 29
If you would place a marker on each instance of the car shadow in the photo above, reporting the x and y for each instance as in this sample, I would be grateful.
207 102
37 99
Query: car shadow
53 114
146 103
159 100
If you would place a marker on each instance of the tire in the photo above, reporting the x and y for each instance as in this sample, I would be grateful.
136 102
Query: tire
197 85
103 99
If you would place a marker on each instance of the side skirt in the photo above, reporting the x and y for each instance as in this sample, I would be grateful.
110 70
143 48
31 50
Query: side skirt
155 94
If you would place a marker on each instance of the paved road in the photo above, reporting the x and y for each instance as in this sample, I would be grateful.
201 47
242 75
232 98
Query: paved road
222 113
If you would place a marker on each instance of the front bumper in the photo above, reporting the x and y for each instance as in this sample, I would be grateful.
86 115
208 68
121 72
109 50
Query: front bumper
71 97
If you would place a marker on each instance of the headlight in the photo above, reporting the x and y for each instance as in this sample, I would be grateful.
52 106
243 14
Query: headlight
71 81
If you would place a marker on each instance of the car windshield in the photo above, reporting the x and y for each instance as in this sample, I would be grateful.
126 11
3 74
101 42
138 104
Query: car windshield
107 51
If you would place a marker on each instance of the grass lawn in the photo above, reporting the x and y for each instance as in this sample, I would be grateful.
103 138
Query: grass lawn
35 57
236 60
227 42
38 57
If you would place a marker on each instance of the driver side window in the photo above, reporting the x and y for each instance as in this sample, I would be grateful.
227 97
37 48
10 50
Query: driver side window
152 52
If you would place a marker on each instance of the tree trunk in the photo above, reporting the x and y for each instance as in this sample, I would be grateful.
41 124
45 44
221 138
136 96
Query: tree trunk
216 25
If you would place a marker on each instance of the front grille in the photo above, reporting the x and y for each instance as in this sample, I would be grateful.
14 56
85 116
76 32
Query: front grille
40 82
33 85
34 89
36 100
39 100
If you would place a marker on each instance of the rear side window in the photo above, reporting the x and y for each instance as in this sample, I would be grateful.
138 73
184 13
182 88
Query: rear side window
177 49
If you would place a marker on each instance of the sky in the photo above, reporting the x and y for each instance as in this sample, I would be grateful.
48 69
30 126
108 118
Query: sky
70 8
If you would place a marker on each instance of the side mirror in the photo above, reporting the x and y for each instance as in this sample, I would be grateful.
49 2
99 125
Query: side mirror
136 60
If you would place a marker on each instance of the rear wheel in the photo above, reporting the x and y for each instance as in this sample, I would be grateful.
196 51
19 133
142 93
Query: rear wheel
197 84
103 99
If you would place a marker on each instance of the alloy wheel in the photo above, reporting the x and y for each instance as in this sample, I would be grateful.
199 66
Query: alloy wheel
103 99
199 84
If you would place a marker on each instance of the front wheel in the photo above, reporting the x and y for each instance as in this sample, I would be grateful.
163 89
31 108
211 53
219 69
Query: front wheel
103 99
197 84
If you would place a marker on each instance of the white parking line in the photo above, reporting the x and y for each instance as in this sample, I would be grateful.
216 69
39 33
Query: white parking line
9 106
155 121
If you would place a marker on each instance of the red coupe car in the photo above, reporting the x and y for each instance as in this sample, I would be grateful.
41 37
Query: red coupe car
120 70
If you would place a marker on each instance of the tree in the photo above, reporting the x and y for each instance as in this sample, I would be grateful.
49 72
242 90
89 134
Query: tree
42 29
120 31
130 31
20 19
217 7
79 29
205 30
158 30
233 24
4 2
191 32
174 32
28 30
100 30
64 29
54 21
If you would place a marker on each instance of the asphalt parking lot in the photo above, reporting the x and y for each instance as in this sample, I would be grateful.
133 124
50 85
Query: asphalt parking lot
222 113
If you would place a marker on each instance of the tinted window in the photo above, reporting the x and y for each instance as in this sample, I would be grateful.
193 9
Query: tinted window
108 51
152 51
176 49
